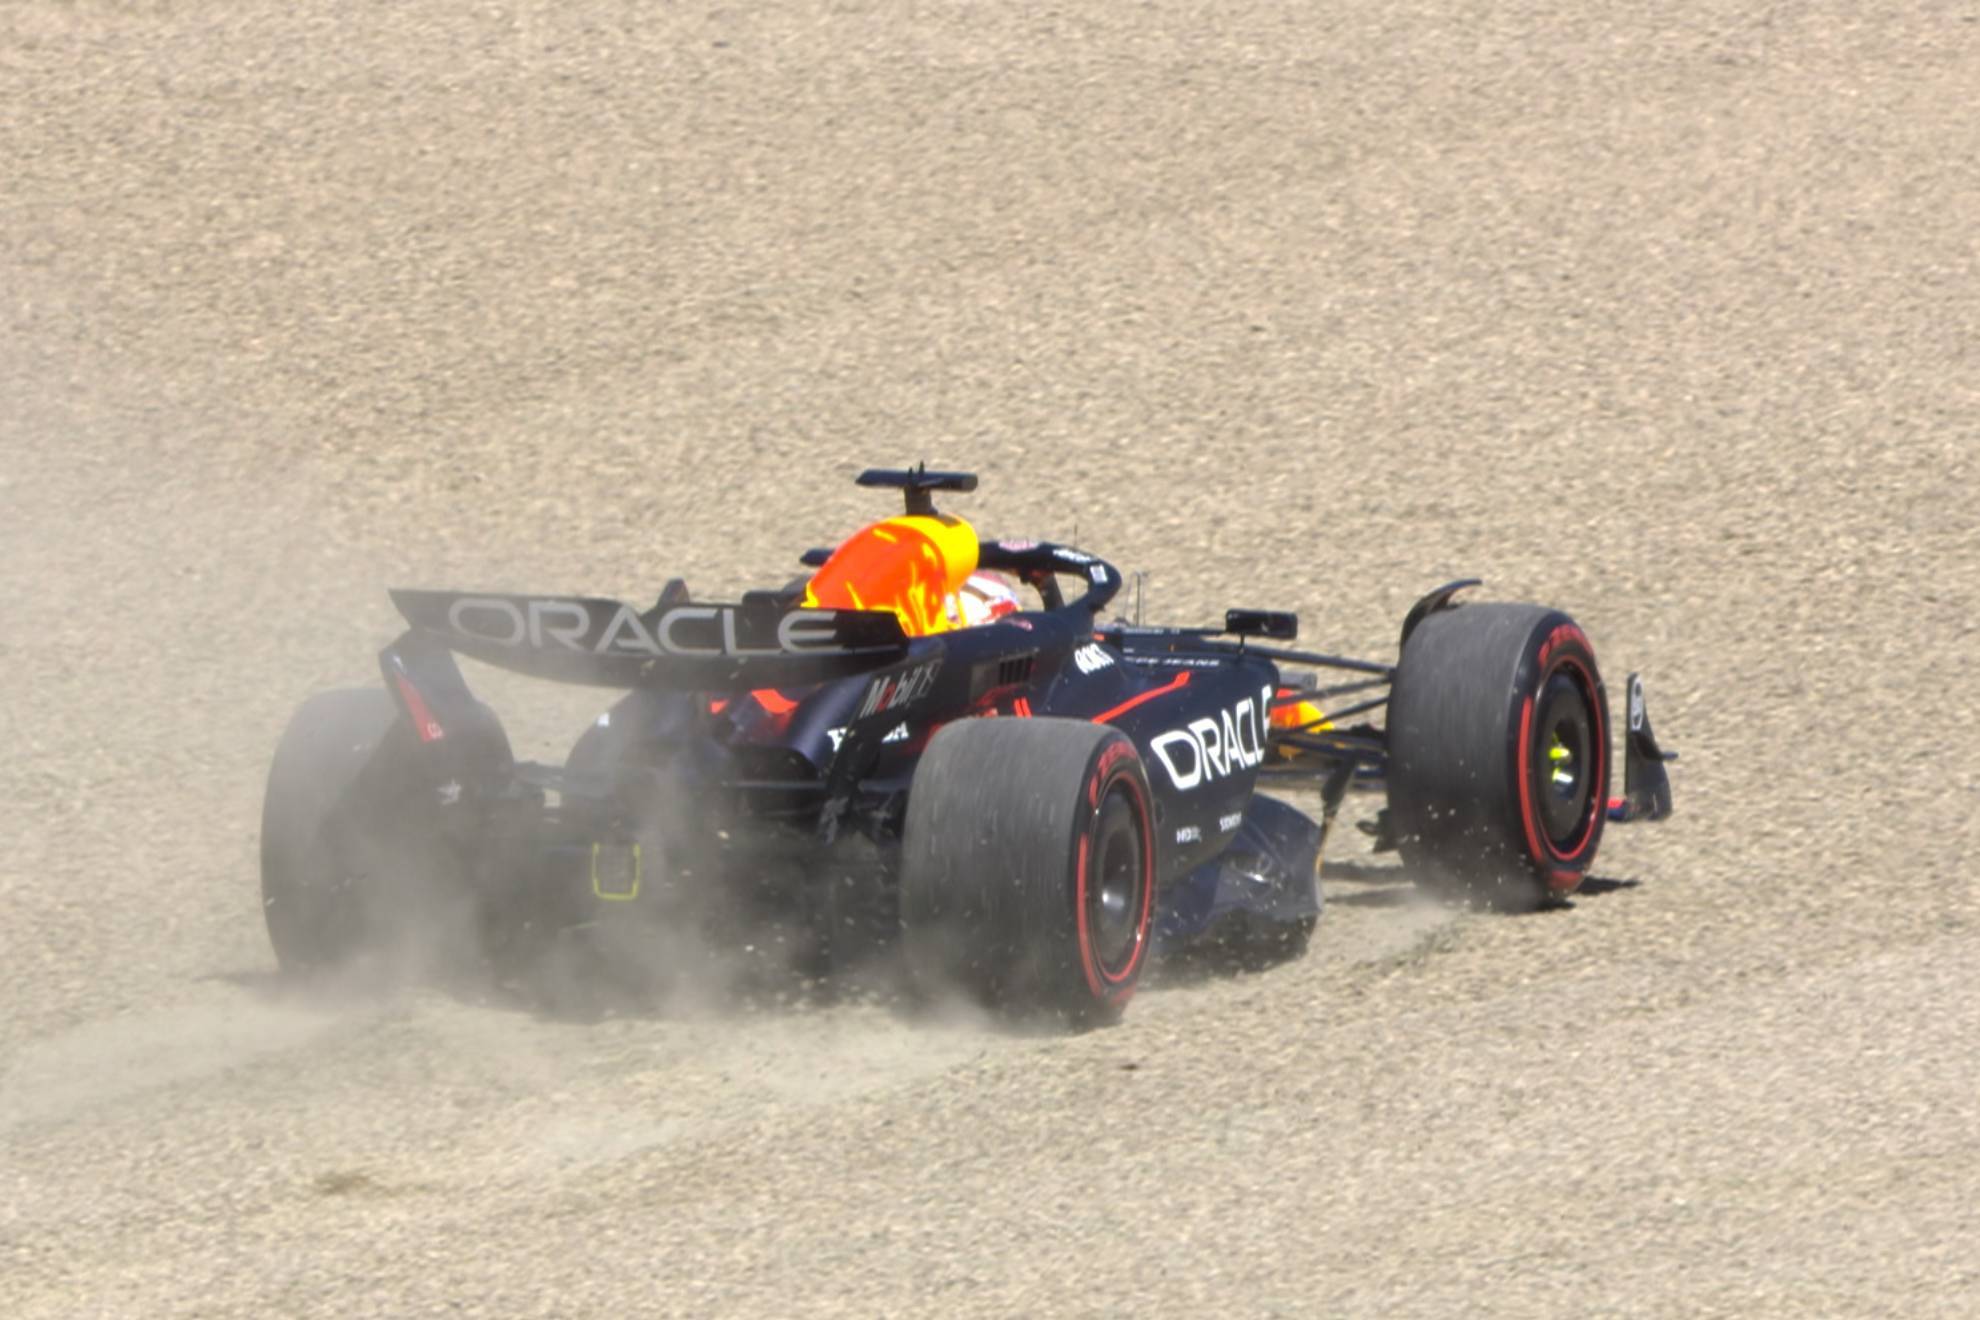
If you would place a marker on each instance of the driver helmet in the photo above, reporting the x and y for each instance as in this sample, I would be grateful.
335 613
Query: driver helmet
985 598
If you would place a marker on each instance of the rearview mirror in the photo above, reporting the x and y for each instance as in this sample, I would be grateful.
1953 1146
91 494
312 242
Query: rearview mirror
1279 625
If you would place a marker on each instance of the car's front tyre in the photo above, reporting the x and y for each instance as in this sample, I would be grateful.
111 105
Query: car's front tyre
1499 765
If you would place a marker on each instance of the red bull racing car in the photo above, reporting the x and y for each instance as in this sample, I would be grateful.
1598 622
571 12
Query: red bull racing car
935 742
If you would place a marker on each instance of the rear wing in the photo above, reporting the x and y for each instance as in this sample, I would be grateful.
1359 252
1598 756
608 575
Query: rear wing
759 643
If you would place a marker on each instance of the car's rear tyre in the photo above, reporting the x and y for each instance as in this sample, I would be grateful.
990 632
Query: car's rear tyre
1498 731
1028 866
349 863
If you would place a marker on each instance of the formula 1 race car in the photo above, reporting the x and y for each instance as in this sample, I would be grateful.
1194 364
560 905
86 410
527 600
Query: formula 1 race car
1025 801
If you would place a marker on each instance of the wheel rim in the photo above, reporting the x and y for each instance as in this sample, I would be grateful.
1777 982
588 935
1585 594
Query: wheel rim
1115 902
1564 759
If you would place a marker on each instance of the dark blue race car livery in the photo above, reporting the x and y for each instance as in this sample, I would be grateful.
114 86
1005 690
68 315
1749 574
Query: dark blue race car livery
935 743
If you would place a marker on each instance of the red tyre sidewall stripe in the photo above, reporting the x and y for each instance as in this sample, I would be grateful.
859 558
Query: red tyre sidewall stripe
1540 847
1089 961
1112 755
1529 820
1114 987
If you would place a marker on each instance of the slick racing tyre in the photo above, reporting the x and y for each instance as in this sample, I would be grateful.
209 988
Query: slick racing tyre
1499 759
1028 867
347 864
